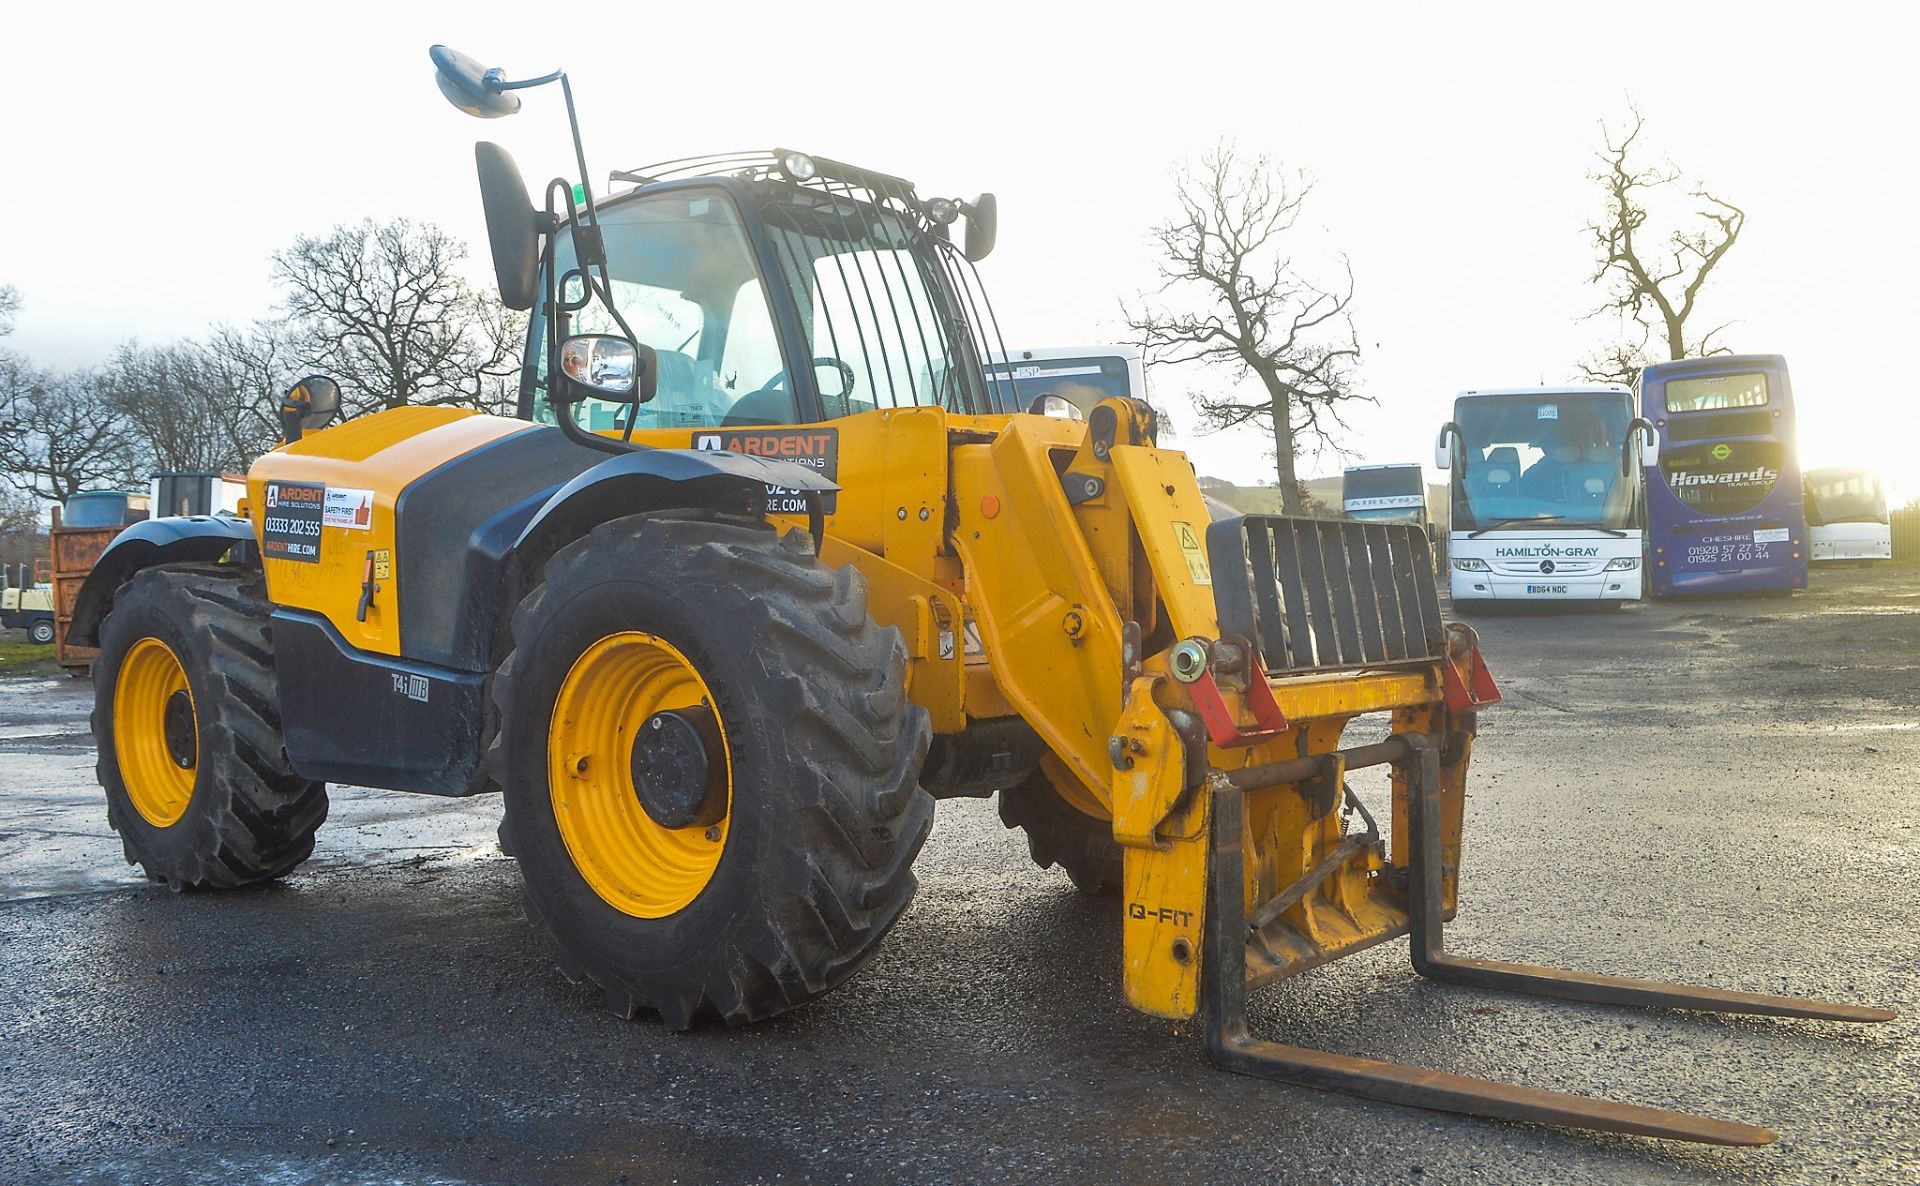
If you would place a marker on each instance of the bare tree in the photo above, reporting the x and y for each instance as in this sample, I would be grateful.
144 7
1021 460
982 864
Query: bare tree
22 541
1230 298
185 407
1654 279
60 434
254 365
384 310
9 308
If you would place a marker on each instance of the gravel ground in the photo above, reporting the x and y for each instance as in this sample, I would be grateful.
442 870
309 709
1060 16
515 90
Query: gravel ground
1727 792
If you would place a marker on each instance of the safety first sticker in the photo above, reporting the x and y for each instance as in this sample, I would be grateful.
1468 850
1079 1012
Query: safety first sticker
816 448
1196 556
295 511
351 509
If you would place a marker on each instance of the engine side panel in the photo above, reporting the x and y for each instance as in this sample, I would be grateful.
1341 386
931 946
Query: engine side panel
323 511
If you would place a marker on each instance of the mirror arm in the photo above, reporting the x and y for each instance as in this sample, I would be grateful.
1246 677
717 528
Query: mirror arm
589 253
556 379
570 428
496 80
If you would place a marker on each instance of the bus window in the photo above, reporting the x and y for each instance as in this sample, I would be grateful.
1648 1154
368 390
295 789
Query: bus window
1716 392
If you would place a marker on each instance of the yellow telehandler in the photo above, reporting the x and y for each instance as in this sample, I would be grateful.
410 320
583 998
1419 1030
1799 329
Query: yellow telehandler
766 564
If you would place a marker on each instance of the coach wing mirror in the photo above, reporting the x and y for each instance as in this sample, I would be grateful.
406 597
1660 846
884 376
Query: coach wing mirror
1650 453
610 368
308 406
1443 446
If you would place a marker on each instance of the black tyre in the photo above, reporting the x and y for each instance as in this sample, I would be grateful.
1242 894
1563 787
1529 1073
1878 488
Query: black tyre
1059 833
41 632
187 721
734 907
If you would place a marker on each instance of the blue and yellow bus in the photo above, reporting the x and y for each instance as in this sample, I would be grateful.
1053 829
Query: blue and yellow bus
1724 512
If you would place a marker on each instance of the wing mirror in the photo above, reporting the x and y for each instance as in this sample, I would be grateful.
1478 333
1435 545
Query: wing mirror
983 226
1443 446
1642 427
470 86
513 226
308 406
609 367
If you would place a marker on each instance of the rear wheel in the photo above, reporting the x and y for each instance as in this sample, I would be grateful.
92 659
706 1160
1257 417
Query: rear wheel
187 721
1064 834
41 632
711 768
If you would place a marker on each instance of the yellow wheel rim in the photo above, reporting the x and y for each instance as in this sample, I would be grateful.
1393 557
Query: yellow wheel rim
155 732
1071 791
635 864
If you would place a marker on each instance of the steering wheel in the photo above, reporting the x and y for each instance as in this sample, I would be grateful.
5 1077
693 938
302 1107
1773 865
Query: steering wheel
779 380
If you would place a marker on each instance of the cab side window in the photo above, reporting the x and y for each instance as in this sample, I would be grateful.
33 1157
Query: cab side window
686 283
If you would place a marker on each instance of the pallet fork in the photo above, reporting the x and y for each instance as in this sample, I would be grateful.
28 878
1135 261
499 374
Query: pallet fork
1224 976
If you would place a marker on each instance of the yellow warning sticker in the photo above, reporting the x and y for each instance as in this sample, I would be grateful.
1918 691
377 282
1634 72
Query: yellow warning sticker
1189 541
383 564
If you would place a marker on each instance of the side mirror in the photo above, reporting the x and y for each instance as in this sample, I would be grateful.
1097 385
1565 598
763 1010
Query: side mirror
470 86
609 367
513 226
308 406
983 226
1650 452
1443 446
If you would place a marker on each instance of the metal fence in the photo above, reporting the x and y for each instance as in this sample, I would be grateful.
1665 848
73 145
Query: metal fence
1906 534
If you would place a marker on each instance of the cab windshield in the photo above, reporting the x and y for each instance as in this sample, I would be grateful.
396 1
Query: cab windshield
685 278
1545 461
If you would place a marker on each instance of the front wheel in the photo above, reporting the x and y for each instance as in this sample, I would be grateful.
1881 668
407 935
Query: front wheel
41 632
711 768
1059 832
187 720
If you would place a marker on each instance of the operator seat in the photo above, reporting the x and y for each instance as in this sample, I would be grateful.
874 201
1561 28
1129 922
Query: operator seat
678 384
767 406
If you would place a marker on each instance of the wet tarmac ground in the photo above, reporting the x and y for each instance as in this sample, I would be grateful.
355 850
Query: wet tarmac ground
1727 792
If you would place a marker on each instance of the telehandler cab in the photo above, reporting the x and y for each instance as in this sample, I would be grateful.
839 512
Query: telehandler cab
768 563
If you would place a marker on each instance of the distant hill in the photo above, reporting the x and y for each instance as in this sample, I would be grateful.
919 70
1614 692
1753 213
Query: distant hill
1265 500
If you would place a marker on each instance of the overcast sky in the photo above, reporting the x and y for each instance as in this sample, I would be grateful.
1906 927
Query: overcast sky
154 157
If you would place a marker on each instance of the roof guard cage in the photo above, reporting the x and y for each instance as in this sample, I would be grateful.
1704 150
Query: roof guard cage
972 312
1326 594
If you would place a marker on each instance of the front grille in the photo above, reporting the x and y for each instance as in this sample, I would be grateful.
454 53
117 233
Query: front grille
1322 594
1561 568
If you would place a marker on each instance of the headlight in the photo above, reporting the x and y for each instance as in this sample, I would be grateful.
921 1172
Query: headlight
943 210
1622 564
798 166
1471 565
